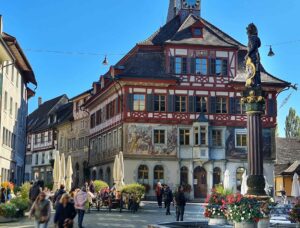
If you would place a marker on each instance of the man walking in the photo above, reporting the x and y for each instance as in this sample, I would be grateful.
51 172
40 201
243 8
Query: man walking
168 197
80 199
180 203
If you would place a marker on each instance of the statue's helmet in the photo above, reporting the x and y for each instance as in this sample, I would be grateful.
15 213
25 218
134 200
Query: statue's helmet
252 30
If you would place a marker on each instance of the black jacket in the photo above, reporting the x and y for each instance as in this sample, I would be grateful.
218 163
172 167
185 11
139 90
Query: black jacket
62 213
180 199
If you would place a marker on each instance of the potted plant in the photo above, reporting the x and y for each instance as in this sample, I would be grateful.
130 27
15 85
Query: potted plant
243 211
294 215
215 209
99 185
21 204
265 209
8 212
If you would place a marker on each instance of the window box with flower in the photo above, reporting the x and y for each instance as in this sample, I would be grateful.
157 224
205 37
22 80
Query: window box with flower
215 210
245 212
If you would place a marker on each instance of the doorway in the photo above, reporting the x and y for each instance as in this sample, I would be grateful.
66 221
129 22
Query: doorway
200 182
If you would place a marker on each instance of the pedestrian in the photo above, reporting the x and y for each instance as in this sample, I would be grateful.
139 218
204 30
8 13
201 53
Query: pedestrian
158 192
92 187
65 212
168 197
58 194
80 200
34 192
180 203
2 196
41 211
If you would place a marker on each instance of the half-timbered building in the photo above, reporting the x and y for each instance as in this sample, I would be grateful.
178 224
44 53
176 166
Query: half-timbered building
172 105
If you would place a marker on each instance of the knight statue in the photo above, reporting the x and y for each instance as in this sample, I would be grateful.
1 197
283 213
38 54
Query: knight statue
252 58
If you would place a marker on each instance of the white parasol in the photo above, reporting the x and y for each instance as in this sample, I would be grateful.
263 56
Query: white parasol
116 170
69 173
227 182
244 187
295 186
122 169
63 169
56 171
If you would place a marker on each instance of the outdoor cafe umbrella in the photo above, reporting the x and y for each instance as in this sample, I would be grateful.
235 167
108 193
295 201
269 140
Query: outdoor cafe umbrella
121 170
227 182
295 186
244 187
116 169
56 171
63 169
69 173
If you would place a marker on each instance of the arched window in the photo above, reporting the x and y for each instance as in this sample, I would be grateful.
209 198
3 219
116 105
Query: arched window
108 176
184 175
216 176
158 173
101 174
239 178
94 175
143 174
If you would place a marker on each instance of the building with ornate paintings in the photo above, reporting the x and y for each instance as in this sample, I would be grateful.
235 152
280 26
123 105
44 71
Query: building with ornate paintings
172 105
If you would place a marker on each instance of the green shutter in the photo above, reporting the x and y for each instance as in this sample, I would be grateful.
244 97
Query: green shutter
232 105
150 103
172 64
213 104
171 103
212 66
184 65
271 107
130 102
193 65
191 107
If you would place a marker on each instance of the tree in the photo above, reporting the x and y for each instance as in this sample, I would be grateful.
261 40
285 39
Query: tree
292 124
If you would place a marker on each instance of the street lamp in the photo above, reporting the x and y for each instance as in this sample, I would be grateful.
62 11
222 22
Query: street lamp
105 61
271 53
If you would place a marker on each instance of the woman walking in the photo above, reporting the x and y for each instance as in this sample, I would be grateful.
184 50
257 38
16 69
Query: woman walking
41 211
65 213
80 199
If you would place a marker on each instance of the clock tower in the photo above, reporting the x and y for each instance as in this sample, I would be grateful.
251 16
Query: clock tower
184 8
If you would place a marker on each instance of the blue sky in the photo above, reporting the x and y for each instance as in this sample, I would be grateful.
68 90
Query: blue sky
113 27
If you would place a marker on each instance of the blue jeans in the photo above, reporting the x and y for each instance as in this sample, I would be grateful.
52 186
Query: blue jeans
37 224
80 214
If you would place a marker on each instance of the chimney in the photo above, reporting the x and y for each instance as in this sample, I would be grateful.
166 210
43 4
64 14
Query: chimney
40 101
1 24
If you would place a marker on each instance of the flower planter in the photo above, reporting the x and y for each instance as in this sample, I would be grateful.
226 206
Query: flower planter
263 223
217 221
245 225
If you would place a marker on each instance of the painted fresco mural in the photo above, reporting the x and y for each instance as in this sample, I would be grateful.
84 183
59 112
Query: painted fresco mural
233 152
140 140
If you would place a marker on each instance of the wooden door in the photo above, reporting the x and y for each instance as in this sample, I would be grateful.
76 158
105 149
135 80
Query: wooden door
200 182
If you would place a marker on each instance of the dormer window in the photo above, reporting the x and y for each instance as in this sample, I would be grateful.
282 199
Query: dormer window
197 32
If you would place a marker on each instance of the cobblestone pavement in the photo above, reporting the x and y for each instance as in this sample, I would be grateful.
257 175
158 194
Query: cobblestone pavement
148 214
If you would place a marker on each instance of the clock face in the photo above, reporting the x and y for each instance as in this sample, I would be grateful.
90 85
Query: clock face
191 4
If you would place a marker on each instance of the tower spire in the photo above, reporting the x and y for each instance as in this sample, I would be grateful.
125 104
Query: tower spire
172 12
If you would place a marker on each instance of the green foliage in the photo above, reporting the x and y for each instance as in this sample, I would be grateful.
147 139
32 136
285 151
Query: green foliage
292 124
99 185
21 203
24 190
8 210
136 189
49 186
222 191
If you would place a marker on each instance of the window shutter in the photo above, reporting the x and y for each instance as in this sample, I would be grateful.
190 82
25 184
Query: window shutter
117 105
232 105
191 104
171 103
184 65
130 102
150 103
212 66
193 65
271 107
213 104
209 136
172 64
